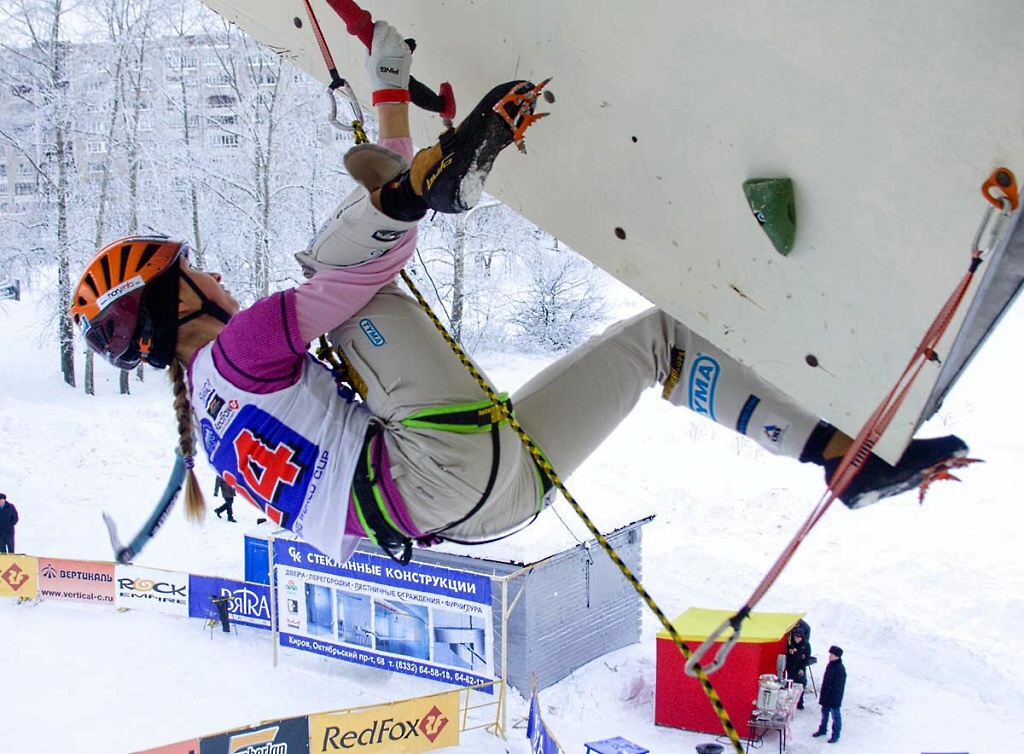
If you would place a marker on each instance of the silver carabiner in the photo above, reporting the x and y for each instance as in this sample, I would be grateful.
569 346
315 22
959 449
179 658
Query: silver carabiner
356 126
720 656
992 227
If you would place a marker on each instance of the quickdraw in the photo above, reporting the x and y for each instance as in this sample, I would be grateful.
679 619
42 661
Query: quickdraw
991 229
360 25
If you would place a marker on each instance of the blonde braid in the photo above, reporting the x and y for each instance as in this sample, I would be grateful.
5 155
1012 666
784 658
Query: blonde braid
195 503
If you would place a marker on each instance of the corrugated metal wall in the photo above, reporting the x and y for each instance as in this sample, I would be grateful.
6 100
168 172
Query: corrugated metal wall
574 607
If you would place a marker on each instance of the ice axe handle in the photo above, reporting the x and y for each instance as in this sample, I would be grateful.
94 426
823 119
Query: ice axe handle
359 24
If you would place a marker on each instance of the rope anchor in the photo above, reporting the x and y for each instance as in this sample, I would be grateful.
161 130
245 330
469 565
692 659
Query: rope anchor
1001 206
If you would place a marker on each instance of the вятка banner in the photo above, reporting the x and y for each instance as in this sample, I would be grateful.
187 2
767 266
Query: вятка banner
18 576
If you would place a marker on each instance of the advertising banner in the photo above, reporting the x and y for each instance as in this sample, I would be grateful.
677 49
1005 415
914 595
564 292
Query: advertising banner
151 589
406 727
182 747
76 581
249 604
418 619
18 576
541 740
279 737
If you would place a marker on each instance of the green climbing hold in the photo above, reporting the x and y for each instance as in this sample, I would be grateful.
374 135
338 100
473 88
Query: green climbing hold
772 202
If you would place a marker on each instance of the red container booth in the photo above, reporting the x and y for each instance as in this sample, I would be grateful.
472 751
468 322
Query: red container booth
679 700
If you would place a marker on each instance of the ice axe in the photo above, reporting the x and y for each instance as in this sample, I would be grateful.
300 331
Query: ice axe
125 554
360 25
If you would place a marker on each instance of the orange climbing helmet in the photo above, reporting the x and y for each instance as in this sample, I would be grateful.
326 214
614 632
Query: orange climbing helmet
126 304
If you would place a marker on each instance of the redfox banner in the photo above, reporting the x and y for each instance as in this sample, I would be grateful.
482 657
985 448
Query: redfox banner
405 727
18 576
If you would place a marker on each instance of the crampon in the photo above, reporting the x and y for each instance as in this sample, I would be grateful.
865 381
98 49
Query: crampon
521 117
942 472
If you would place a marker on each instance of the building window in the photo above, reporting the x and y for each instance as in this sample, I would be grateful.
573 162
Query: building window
220 100
24 189
96 147
224 140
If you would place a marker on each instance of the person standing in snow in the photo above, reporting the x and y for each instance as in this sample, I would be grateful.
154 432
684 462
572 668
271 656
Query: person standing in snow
424 456
228 492
8 520
798 657
830 695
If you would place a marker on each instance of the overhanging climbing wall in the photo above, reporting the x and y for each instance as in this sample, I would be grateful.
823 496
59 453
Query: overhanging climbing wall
886 116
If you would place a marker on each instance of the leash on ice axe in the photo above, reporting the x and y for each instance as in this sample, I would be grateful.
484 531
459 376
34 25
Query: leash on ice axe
359 24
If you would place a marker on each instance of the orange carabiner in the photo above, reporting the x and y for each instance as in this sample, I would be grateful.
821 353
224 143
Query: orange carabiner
1003 180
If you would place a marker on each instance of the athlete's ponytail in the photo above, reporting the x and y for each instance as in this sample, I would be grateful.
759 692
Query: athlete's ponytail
195 503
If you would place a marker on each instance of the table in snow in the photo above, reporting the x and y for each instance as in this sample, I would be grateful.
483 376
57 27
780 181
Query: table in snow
778 718
617 745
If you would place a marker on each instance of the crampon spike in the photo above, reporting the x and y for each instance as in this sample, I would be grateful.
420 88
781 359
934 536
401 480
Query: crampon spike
524 116
941 472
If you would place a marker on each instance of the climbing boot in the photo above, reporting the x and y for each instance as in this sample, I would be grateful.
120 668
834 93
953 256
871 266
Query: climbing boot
450 175
923 462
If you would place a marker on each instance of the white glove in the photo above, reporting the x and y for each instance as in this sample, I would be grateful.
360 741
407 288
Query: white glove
388 64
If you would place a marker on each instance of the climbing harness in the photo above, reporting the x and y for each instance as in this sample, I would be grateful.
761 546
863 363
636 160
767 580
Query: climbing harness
987 238
375 496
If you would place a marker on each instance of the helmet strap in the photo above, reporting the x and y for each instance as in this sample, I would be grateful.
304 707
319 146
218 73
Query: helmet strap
205 307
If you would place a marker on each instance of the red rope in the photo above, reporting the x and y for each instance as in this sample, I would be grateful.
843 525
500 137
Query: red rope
858 452
336 80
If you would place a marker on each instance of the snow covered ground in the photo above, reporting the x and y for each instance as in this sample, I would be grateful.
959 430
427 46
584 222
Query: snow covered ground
926 601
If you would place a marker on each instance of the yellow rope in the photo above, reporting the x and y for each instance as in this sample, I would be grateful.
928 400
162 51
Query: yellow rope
324 352
542 462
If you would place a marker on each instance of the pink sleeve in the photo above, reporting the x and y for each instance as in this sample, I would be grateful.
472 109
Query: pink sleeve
260 349
332 297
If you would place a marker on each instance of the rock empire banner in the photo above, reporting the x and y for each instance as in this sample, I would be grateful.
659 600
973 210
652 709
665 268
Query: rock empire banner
419 619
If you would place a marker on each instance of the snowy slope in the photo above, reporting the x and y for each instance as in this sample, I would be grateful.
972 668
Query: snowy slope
925 600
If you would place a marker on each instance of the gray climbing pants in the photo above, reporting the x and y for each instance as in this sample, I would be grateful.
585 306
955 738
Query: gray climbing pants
568 408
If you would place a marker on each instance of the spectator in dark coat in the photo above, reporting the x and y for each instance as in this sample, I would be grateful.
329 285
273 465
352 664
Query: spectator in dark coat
798 658
229 498
830 695
8 518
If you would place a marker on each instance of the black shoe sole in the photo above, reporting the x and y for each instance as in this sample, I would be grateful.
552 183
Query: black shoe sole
878 480
455 182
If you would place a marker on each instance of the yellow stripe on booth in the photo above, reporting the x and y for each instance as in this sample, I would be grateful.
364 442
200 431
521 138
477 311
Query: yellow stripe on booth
698 623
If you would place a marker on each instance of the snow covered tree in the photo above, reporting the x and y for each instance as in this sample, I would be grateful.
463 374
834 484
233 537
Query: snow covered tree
561 301
37 59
